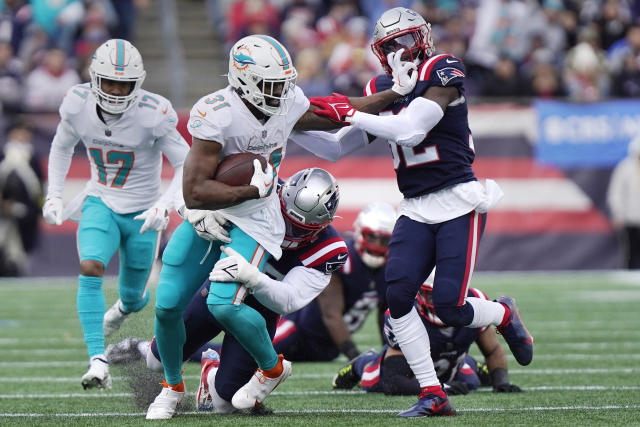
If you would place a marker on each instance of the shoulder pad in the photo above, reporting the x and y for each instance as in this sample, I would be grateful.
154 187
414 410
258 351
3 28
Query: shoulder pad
377 84
207 121
443 70
155 112
327 254
300 103
75 100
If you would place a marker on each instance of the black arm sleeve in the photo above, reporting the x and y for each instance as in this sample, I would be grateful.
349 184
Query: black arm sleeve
397 377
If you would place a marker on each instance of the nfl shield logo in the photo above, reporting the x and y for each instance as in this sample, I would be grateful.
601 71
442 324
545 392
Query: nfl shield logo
264 134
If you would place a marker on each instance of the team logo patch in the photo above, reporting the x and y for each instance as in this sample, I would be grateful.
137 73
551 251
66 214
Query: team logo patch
264 134
196 123
449 73
242 58
330 267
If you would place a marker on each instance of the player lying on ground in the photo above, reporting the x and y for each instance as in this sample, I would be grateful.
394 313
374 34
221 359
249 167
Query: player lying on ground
256 113
443 213
388 371
125 130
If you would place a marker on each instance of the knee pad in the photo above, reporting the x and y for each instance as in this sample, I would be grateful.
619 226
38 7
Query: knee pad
168 315
458 316
400 298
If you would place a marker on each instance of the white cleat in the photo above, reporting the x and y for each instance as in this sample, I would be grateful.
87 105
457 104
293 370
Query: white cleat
165 404
98 373
113 318
259 386
209 368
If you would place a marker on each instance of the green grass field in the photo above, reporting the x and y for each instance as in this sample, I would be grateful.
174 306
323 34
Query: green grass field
586 367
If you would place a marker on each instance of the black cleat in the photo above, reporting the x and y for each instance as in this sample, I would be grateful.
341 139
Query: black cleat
516 334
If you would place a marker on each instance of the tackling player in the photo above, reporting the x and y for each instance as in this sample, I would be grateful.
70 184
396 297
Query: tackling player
389 373
125 130
255 113
443 213
322 330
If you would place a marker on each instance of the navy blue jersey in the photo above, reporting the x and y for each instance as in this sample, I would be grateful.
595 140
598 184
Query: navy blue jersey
327 253
449 345
361 290
445 156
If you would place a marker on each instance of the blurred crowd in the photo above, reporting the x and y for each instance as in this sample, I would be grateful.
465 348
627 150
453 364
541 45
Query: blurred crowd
582 50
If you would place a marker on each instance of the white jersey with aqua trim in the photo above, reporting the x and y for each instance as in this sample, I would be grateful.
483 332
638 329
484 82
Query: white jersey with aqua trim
224 118
125 154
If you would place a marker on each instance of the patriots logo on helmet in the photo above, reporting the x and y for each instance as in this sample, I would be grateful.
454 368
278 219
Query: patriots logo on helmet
449 73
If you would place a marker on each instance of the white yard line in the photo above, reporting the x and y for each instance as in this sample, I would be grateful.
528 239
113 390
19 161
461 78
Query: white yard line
336 411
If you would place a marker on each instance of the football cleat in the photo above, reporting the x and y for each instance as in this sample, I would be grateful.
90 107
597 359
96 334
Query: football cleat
113 318
165 404
98 374
430 405
515 333
259 387
346 378
125 351
209 366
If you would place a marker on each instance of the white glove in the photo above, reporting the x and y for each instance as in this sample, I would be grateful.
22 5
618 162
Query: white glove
263 181
404 74
155 218
211 227
52 211
234 268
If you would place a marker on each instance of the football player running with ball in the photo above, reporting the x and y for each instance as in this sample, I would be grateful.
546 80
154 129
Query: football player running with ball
443 213
256 113
125 130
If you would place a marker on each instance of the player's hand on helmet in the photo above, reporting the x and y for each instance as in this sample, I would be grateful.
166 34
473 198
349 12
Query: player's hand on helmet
52 210
210 225
404 73
262 180
234 268
335 107
155 218
455 388
506 388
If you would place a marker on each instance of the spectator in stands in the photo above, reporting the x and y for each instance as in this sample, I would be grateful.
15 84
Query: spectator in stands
17 15
20 199
47 84
10 79
252 17
623 197
506 81
585 71
311 75
59 20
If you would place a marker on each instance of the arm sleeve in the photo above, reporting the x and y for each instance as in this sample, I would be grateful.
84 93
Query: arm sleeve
406 129
297 289
331 146
60 156
175 148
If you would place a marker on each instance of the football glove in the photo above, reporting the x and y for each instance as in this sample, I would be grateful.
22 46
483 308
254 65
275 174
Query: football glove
263 181
506 388
455 388
234 268
52 211
335 107
211 227
404 74
155 218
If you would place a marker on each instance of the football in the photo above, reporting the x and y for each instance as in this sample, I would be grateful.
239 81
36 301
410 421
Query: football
237 169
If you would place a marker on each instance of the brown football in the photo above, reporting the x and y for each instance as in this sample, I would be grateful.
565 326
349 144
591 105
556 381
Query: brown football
237 169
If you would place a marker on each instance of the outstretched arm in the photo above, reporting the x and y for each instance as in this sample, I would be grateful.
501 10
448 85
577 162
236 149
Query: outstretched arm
331 302
496 361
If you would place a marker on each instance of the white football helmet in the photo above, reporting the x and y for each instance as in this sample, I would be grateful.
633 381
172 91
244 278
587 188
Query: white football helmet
260 68
118 60
373 227
402 28
309 200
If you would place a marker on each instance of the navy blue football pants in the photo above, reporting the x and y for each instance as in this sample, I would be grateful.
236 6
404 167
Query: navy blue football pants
416 248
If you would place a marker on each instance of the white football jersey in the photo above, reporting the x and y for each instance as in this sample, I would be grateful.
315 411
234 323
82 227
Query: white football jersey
125 154
224 118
